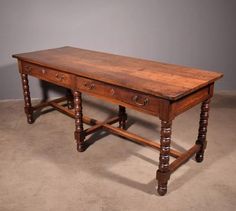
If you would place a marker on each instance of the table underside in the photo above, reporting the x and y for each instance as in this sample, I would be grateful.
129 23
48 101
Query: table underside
61 104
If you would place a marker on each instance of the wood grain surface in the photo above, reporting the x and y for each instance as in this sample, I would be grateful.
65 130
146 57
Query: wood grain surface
159 79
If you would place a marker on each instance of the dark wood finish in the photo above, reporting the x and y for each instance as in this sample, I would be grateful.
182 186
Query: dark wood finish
79 130
189 101
48 103
184 157
163 173
118 95
97 125
71 113
139 139
70 99
159 79
155 88
27 99
48 74
123 117
201 140
100 125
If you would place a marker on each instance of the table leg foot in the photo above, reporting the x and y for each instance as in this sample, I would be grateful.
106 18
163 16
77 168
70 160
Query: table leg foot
201 140
162 189
29 115
80 142
163 173
79 130
123 117
80 148
199 157
162 178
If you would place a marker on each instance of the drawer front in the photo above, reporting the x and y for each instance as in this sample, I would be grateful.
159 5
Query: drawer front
122 96
47 74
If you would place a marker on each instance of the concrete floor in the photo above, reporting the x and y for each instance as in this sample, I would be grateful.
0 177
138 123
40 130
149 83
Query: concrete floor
40 168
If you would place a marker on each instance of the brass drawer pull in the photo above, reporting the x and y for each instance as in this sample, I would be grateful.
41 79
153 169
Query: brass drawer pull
136 99
60 77
43 71
89 85
112 92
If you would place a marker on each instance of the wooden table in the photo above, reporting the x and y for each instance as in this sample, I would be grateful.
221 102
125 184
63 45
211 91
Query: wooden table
155 88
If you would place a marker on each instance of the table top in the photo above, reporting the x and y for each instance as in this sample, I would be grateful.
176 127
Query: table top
156 78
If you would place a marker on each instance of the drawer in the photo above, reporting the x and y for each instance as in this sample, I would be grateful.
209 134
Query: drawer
47 74
119 95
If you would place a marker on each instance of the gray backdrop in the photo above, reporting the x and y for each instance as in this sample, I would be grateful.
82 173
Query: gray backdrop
189 32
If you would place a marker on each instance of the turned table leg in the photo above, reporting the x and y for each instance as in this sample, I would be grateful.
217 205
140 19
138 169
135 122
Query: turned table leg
201 140
123 117
27 99
70 100
79 130
163 173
